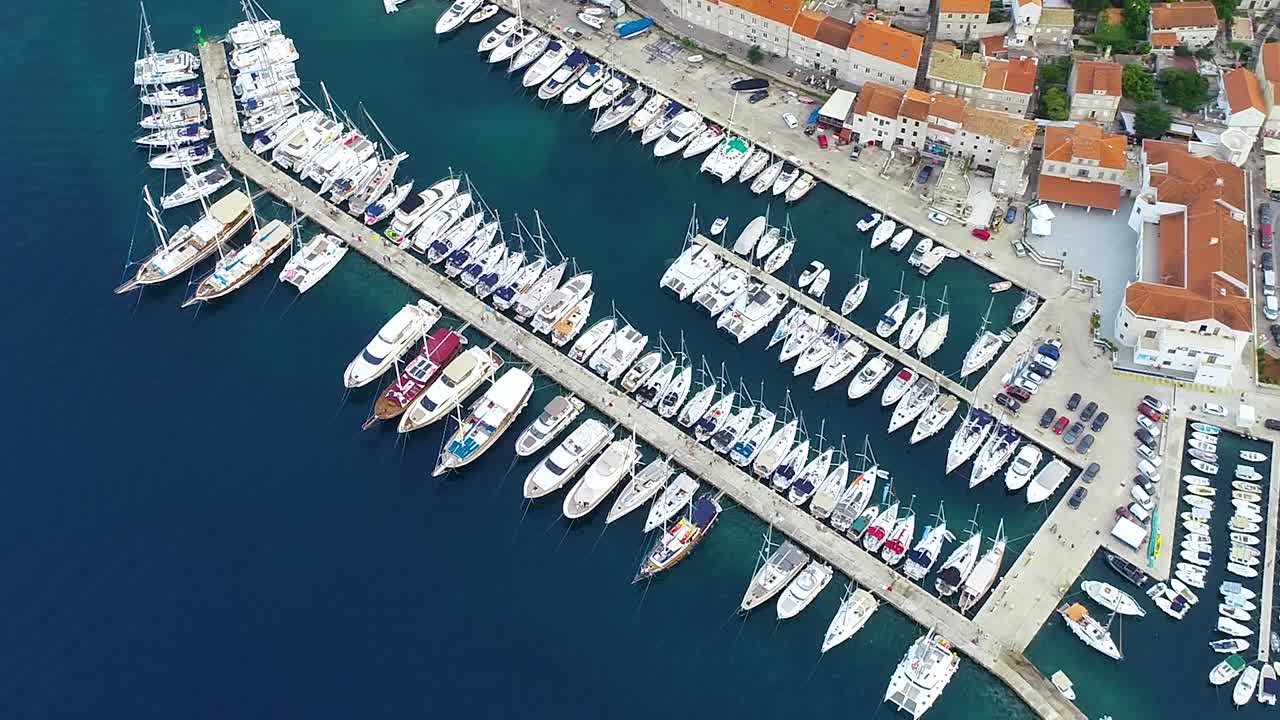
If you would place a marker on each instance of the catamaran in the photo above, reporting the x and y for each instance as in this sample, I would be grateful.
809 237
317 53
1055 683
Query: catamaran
313 261
554 418
923 674
188 245
409 324
752 311
563 463
237 268
695 266
459 379
488 419
617 353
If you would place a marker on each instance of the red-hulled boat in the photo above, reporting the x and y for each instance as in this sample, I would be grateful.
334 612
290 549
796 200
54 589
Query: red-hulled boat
436 352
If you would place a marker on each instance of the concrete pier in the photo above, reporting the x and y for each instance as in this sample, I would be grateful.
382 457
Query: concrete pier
1011 667
1268 560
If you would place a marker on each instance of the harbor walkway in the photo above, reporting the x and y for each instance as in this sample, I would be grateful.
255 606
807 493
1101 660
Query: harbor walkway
1012 668
1269 537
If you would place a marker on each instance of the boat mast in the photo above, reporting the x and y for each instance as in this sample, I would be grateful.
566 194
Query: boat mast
381 134
161 231
860 275
252 208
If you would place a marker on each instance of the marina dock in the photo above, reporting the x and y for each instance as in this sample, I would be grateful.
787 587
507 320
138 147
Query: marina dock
1010 666
1269 562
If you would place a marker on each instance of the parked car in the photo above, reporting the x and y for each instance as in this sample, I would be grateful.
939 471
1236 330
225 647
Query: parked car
1046 418
1142 497
1030 384
790 120
1271 424
574 33
1145 423
822 141
1077 497
855 151
1154 404
1050 349
1268 260
1020 393
1147 486
1145 437
981 233
925 173
1149 471
1124 512
1150 455
1073 433
1264 213
1061 426
1086 442
938 218
1038 377
1046 361
1271 309
1265 236
757 96
1011 214
1150 412
1008 402
1275 333
1099 422
1040 369
1214 409
1073 402
1089 410
1090 472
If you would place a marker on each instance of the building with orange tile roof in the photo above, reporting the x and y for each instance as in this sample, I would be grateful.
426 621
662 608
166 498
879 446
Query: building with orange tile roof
994 46
1189 315
1000 85
910 8
875 114
1094 88
820 42
1267 68
961 19
1242 101
1082 166
1193 24
766 23
883 54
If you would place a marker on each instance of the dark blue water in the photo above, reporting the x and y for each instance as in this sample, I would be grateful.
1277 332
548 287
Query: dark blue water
192 523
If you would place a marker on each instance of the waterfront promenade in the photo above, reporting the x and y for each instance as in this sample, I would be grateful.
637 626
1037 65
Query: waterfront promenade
1012 668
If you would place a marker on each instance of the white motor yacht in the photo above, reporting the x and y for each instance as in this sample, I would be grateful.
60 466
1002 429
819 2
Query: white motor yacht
531 51
563 463
406 327
587 83
801 591
613 466
653 108
870 376
1023 467
455 384
547 63
591 340
677 133
554 418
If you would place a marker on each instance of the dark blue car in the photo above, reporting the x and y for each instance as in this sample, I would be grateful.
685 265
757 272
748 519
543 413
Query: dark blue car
1011 214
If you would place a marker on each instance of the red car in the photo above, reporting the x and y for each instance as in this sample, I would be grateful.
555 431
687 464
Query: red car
822 141
1150 412
1018 392
981 233
1061 426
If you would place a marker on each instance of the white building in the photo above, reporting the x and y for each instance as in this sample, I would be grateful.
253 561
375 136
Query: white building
1190 317
883 54
910 8
1241 100
961 20
1193 24
820 42
1268 72
1095 90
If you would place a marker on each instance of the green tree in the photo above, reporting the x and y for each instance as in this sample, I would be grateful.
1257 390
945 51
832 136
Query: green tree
1089 6
1185 89
1114 36
755 55
1182 51
1138 84
1226 8
1055 72
1135 17
1054 104
1151 120
1242 50
1205 53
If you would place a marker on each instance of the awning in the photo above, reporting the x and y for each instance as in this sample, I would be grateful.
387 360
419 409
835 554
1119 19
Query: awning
837 107
1041 212
1043 228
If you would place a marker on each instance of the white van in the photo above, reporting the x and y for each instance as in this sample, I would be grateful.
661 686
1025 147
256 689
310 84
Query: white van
1141 498
1140 512
1271 309
1149 471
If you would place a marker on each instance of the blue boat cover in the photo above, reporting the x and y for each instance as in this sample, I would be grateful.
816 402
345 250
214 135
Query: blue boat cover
704 511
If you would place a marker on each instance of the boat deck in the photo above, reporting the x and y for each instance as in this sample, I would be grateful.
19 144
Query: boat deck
1011 667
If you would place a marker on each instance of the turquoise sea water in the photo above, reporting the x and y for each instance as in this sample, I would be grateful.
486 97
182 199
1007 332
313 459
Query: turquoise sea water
194 525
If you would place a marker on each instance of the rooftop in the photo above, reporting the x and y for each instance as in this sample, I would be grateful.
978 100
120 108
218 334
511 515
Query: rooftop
1096 76
1164 39
1168 16
915 105
946 63
993 46
1204 262
964 6
1058 17
946 107
1011 131
1105 196
1243 91
779 11
1017 75
888 43
877 99
834 32
1085 141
